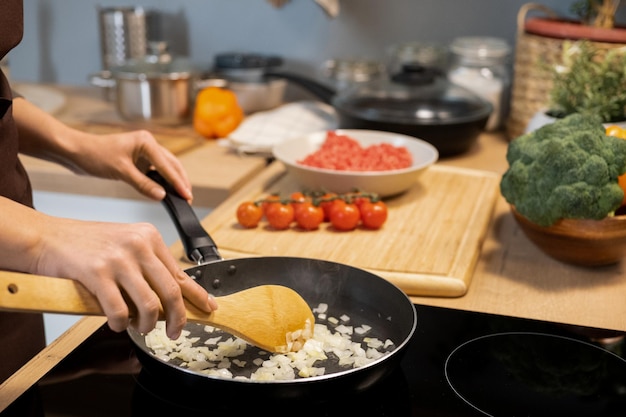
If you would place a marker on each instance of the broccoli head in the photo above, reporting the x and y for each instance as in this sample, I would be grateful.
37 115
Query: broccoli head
567 169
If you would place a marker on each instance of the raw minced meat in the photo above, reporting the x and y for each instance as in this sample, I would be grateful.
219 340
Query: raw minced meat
343 153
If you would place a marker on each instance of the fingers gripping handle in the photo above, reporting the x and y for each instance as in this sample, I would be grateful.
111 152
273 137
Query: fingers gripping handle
198 245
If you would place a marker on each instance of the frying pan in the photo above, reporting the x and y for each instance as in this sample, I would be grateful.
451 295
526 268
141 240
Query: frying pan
418 102
364 297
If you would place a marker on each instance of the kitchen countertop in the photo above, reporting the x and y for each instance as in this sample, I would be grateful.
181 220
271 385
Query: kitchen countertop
512 277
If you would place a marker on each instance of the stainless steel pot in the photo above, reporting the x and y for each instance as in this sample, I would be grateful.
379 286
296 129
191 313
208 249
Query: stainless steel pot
156 89
244 73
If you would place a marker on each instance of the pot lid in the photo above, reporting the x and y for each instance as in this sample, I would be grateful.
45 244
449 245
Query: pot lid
480 48
416 95
245 67
236 60
157 64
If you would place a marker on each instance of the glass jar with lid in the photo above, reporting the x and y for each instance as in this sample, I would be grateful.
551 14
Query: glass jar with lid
347 72
481 64
425 53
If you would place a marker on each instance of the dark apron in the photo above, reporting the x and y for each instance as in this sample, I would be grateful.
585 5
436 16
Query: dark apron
21 335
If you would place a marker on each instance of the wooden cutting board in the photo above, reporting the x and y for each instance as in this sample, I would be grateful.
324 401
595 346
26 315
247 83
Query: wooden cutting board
428 246
177 140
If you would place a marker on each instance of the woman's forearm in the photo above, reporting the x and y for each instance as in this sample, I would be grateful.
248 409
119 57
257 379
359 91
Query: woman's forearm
20 231
43 136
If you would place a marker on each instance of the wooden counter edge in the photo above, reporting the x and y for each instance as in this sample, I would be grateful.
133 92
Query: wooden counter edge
48 358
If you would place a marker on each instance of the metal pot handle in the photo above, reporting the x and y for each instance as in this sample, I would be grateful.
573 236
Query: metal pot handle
206 81
199 246
210 81
102 79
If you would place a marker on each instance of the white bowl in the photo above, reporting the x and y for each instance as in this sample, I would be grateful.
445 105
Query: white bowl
384 183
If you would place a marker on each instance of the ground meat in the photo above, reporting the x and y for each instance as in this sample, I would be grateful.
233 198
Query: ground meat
343 153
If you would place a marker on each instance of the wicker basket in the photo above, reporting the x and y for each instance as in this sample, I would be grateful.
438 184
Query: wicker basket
531 82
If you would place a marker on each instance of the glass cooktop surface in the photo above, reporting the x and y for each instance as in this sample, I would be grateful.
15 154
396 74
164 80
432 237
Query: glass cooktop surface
458 363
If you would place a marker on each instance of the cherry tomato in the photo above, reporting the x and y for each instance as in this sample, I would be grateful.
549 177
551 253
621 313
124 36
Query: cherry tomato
373 215
249 214
344 216
326 204
298 196
297 200
360 200
309 216
269 200
337 204
279 215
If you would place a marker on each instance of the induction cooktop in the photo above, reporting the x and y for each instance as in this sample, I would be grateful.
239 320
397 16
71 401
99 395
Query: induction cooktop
458 363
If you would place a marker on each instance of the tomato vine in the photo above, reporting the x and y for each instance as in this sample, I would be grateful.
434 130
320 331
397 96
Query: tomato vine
309 210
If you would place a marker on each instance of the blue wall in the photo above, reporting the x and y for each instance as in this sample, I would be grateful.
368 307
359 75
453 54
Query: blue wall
61 40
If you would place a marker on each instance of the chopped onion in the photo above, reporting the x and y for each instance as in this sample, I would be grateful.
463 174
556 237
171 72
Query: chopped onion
344 329
218 355
321 308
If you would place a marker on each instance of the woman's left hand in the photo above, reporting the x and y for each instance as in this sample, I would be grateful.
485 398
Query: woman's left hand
127 156
121 156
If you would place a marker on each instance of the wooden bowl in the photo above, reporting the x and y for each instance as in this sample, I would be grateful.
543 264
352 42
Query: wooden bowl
579 241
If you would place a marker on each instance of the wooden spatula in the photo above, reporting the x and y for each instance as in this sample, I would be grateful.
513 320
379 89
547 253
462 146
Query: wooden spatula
272 317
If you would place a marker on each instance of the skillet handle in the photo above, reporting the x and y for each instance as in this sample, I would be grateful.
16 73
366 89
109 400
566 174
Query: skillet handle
321 91
199 246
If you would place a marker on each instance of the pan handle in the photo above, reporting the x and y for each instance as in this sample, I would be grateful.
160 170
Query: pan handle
199 246
321 91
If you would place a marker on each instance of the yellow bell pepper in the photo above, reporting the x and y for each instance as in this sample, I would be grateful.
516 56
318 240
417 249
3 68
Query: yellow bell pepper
620 132
216 113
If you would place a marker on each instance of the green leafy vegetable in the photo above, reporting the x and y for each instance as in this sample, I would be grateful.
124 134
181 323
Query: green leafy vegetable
589 81
567 169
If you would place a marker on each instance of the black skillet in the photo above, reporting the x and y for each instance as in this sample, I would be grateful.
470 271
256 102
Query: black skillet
364 297
418 102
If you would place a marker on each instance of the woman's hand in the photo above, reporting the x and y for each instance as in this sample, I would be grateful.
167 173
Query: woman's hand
127 156
119 156
127 267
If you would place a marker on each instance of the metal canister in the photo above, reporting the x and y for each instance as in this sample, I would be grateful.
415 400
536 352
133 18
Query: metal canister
123 34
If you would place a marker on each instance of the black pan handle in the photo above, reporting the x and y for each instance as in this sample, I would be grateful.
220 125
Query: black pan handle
321 91
199 246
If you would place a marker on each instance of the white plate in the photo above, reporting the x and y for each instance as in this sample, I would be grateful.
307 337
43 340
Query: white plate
384 183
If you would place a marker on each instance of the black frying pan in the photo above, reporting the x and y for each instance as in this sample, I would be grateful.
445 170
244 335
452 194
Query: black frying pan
450 123
366 298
